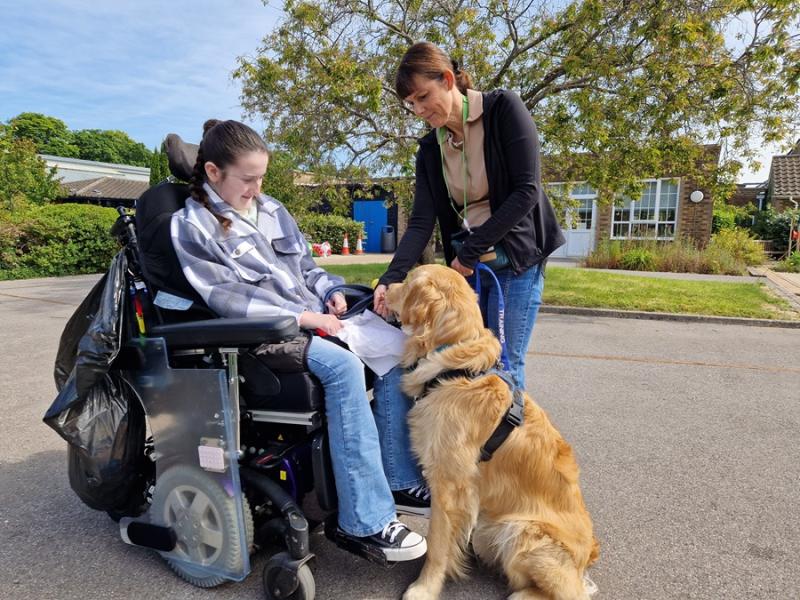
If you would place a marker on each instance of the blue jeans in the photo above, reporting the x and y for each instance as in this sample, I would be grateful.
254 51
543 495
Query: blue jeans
522 295
391 407
366 504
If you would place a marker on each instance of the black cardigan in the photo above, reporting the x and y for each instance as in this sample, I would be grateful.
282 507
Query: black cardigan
522 215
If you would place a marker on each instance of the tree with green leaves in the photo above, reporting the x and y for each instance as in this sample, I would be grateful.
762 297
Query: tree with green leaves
48 134
112 146
51 136
159 165
24 177
620 90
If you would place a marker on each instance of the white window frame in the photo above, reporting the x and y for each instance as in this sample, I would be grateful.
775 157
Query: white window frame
656 222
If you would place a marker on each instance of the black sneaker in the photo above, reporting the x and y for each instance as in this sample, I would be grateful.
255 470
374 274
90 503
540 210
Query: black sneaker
414 501
396 542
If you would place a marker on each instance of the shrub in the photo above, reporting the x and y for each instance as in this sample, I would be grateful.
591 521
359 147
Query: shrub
727 216
331 228
790 264
718 261
774 226
638 259
740 245
607 255
678 256
55 240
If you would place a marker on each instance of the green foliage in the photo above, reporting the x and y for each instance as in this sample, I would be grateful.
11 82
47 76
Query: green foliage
279 182
607 255
774 226
678 256
637 259
24 177
111 146
50 135
55 240
739 244
330 228
790 264
159 166
727 216
619 90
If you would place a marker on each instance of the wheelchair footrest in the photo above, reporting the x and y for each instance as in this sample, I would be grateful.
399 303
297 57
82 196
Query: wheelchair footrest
148 535
354 545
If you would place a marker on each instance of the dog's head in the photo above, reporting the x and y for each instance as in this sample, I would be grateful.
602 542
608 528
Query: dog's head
436 306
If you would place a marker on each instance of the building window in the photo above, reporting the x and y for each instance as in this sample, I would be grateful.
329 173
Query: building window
652 216
580 216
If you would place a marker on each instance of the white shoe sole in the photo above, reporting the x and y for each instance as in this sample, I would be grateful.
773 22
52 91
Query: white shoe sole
403 554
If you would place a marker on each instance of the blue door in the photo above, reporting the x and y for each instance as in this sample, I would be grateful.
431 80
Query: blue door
374 215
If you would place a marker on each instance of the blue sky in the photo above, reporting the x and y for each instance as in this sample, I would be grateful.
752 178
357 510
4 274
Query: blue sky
147 68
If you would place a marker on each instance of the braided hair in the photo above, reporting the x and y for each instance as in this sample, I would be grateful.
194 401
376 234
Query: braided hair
223 143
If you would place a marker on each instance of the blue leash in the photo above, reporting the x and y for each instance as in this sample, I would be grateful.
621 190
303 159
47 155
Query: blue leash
501 310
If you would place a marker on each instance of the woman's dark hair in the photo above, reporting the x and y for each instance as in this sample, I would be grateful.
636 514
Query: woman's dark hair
223 143
427 60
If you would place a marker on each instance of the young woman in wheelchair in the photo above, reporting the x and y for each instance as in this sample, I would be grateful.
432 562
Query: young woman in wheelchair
245 256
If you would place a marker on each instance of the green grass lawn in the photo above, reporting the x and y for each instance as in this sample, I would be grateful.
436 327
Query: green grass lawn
594 289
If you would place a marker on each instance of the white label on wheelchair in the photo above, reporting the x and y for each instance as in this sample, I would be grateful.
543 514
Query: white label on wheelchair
212 458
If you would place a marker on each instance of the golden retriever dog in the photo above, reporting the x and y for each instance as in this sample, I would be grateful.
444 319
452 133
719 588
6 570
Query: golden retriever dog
523 508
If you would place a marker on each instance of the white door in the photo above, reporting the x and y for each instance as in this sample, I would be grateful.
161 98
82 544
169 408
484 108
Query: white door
580 230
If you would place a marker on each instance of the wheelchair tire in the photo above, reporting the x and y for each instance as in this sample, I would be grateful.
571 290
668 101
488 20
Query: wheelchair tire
281 574
184 486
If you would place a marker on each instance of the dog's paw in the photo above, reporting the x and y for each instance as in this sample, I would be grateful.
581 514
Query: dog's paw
418 592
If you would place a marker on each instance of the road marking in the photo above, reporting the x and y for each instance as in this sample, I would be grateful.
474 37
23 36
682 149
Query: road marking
38 299
666 361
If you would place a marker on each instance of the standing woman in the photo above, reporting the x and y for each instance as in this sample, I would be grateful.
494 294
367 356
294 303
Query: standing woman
478 175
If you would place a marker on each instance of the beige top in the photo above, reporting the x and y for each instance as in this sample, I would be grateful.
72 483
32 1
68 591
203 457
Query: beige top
478 209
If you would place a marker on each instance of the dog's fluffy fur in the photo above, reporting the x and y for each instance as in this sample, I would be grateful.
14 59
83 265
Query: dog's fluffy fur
523 509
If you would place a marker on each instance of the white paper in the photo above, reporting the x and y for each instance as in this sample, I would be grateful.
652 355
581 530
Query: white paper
378 344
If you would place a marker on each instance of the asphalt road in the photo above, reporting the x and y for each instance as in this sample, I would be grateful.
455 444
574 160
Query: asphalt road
687 435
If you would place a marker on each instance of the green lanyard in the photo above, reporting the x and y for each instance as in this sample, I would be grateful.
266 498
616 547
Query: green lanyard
441 136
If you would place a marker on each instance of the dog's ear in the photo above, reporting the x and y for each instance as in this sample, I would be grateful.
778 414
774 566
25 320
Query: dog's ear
423 299
395 297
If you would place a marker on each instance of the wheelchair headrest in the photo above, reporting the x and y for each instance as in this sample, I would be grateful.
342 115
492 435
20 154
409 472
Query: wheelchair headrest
181 156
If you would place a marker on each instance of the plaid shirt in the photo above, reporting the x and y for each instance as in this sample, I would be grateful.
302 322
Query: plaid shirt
252 270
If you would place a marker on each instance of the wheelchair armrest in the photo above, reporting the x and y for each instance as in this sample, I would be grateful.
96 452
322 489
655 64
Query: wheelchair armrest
237 332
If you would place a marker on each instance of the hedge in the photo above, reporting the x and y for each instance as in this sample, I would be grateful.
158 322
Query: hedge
320 228
74 239
55 240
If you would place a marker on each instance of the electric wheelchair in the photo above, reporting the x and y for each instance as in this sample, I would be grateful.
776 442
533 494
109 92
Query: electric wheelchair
233 445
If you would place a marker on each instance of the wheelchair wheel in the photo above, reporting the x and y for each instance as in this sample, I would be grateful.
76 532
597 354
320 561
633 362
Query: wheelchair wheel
285 580
204 519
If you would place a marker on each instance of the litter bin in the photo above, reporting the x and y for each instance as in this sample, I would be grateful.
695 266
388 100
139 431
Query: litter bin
387 239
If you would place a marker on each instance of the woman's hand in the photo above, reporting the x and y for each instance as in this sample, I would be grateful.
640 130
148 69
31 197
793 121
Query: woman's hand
330 324
465 271
379 301
337 304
